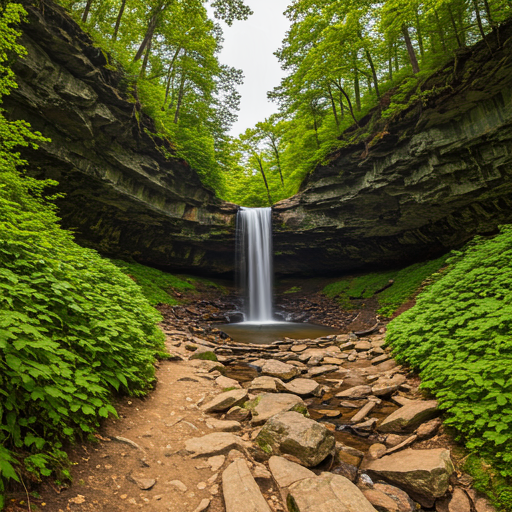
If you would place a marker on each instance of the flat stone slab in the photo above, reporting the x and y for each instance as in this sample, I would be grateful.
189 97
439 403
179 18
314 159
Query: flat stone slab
327 493
225 400
270 404
386 386
283 371
423 472
264 384
213 444
209 366
303 387
321 370
409 416
240 490
355 392
226 382
223 425
292 433
286 472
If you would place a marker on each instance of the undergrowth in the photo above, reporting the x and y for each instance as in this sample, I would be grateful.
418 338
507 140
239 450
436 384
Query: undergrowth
459 337
391 288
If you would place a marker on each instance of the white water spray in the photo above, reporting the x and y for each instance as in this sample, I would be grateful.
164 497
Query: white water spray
254 254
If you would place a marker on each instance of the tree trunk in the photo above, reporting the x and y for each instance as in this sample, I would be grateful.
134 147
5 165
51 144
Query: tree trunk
342 91
118 20
479 21
440 31
276 153
390 63
333 105
397 64
169 75
357 90
315 126
153 22
454 25
86 10
145 61
180 95
260 164
410 50
420 37
374 73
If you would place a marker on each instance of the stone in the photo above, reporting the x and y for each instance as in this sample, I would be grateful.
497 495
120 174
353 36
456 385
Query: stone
364 411
286 472
322 370
332 360
204 353
226 382
209 366
425 473
348 454
408 417
330 413
258 363
390 364
363 345
240 490
401 498
145 484
355 392
223 425
216 462
385 386
382 502
292 433
428 429
394 440
347 470
205 503
298 348
303 387
269 404
178 484
283 371
237 413
225 400
327 493
457 502
213 444
264 384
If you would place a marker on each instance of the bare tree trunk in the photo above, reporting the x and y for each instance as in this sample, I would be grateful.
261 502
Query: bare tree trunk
278 160
357 90
146 58
390 63
410 50
420 37
397 64
374 73
454 25
180 94
86 10
260 164
342 91
479 22
118 20
153 22
169 75
333 105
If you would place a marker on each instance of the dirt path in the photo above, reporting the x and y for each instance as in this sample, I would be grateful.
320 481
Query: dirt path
108 477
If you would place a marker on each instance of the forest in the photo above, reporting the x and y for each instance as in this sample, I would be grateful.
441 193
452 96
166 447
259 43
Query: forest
342 59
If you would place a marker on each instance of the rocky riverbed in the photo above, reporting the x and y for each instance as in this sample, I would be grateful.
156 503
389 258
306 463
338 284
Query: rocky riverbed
330 424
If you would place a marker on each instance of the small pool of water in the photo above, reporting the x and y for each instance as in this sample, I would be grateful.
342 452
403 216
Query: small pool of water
266 333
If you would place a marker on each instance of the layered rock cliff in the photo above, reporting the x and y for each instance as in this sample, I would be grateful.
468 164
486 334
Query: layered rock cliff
412 187
125 192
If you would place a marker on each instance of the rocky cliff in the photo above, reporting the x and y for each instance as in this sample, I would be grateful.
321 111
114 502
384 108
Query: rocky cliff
435 175
407 188
125 192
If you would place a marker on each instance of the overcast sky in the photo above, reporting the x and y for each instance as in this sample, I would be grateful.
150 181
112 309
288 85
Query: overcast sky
249 46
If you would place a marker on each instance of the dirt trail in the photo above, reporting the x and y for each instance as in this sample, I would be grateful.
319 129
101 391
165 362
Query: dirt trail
106 476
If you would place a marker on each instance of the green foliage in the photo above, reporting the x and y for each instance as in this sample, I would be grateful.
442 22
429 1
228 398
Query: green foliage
73 328
405 283
155 284
293 289
459 337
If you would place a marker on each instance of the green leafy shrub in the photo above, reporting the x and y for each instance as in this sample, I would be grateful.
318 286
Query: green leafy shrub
390 297
459 336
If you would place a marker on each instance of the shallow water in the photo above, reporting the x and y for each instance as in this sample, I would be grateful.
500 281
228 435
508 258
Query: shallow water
266 333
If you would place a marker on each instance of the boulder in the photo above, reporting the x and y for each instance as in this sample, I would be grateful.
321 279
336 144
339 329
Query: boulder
355 392
225 400
292 433
226 382
302 387
286 472
204 353
213 444
425 473
327 493
283 371
209 366
223 425
237 413
401 498
322 370
267 405
457 502
387 385
240 490
263 384
408 417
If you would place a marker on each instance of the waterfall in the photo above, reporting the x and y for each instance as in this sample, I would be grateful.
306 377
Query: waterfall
254 255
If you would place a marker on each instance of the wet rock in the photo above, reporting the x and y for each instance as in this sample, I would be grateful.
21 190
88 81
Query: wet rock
240 490
267 405
274 368
401 498
292 433
425 473
355 392
409 416
385 386
225 400
237 413
302 387
213 444
348 454
258 363
286 472
327 493
263 384
347 470
361 415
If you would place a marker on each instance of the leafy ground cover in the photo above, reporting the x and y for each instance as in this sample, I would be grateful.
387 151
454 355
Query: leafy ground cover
458 337
391 288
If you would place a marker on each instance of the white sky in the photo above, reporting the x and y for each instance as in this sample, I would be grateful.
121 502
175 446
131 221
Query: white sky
249 45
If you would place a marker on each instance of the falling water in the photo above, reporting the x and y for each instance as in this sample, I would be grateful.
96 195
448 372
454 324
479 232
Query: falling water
254 254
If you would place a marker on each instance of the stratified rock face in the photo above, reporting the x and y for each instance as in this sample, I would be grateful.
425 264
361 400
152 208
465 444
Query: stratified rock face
427 183
126 194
